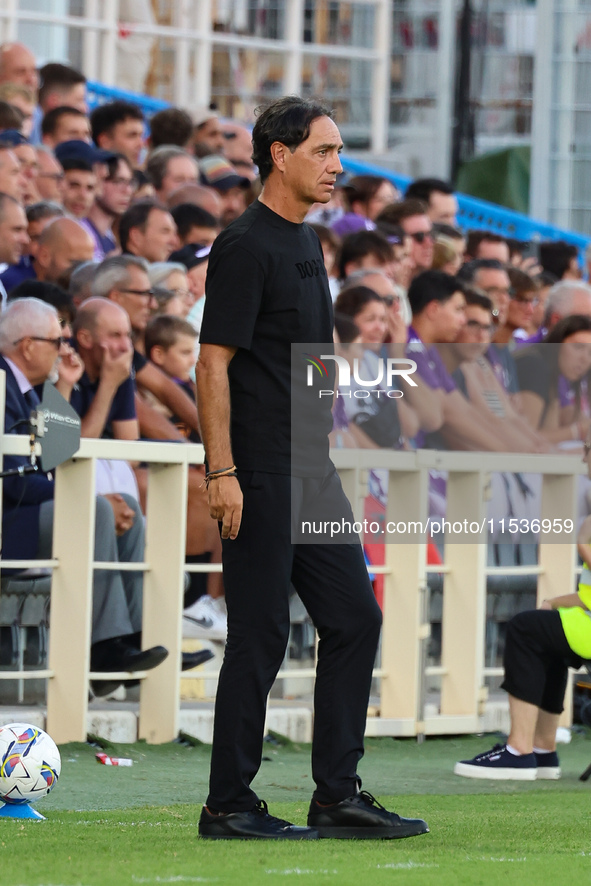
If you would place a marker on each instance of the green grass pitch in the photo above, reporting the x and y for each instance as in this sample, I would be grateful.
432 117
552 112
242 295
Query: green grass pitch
110 826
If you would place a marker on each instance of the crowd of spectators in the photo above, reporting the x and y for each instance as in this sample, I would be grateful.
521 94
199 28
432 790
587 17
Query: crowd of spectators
109 217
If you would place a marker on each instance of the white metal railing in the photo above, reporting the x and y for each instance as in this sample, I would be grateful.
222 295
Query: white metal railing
402 672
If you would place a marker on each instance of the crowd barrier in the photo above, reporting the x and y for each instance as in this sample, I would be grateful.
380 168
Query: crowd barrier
402 673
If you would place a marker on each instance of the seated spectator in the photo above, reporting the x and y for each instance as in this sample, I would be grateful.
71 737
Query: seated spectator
522 303
208 136
170 344
540 647
62 245
64 124
39 215
195 224
23 99
171 126
487 245
365 196
442 204
490 277
565 298
446 257
438 315
168 168
13 235
195 258
217 173
50 176
111 200
561 259
79 188
61 86
30 343
18 65
330 246
12 180
27 158
553 375
119 126
413 217
147 229
365 249
398 310
172 277
237 148
544 283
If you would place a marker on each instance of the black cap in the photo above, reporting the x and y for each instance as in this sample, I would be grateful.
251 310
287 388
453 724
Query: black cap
191 255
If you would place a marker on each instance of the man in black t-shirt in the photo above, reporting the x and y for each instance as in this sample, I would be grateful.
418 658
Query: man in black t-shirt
266 290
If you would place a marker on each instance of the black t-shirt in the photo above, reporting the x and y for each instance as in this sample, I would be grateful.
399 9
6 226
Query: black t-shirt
267 289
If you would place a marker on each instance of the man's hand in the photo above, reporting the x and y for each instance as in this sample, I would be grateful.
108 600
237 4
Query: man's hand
225 504
124 515
115 369
70 368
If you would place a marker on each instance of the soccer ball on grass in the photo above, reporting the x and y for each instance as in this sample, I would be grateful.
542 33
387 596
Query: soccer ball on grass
30 763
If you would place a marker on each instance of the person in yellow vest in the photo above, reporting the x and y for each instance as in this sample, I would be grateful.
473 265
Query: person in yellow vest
541 646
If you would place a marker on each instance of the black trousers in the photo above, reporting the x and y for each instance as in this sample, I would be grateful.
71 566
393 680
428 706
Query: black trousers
332 581
537 659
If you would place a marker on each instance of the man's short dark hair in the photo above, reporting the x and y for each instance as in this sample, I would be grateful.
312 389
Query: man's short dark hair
432 286
468 271
476 237
395 213
286 120
422 188
55 77
189 215
171 126
477 299
51 120
136 217
362 243
50 293
556 256
44 209
11 117
105 117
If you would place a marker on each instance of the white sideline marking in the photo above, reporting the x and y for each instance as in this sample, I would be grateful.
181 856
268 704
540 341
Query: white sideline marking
406 865
298 871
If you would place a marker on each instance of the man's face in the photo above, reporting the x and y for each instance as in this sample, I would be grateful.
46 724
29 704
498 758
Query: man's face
75 98
490 249
521 309
496 284
42 356
18 66
79 189
233 204
443 208
449 317
13 233
27 108
179 171
126 137
310 171
158 239
136 298
12 180
117 191
196 277
210 134
475 336
71 127
29 167
50 177
111 335
418 228
384 196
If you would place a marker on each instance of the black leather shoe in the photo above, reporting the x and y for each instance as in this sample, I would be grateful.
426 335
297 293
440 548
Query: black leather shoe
192 660
100 688
118 654
363 818
256 824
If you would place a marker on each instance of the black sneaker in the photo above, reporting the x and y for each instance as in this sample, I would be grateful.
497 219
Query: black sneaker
256 824
548 765
362 817
499 764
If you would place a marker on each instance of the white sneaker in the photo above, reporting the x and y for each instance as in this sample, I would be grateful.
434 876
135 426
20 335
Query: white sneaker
206 619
